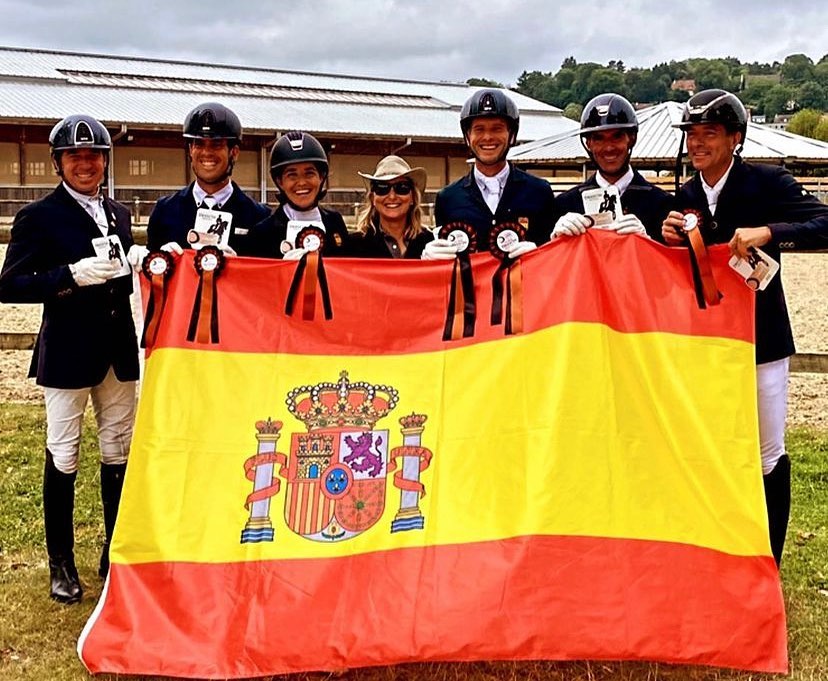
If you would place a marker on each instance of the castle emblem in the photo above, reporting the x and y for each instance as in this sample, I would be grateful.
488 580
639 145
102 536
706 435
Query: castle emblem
337 471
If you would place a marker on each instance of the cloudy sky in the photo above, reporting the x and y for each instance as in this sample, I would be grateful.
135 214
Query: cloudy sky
420 39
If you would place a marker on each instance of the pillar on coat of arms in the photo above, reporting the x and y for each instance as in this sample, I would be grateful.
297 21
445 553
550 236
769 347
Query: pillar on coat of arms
259 469
415 459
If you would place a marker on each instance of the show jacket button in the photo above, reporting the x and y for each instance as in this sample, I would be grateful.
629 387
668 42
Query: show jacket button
787 244
64 292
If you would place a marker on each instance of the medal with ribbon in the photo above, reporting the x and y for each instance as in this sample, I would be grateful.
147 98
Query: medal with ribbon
462 309
501 241
208 263
310 273
707 293
158 268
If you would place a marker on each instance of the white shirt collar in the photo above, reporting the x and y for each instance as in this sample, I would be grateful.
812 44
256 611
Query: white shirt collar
712 193
312 215
222 196
622 182
484 180
84 199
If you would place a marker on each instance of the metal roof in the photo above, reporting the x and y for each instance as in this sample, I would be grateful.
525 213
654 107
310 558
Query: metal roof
44 85
658 143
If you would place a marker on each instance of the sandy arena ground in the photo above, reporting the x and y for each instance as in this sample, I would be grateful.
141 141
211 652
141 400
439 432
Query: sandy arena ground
805 279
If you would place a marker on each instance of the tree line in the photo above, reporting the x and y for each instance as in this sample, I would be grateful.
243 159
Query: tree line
796 84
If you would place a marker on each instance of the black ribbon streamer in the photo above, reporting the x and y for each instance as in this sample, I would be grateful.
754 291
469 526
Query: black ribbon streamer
206 297
158 295
462 273
697 282
310 278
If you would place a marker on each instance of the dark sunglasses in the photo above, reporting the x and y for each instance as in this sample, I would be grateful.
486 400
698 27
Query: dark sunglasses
384 188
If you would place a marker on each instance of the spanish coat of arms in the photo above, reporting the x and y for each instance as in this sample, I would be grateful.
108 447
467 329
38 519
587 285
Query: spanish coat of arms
336 471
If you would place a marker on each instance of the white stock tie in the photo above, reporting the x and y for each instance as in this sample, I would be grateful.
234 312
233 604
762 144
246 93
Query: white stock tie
96 210
492 193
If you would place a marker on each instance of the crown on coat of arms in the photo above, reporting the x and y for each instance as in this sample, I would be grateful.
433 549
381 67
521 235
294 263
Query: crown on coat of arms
413 420
269 427
344 403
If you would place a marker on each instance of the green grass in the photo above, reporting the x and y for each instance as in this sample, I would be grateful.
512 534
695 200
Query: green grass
38 637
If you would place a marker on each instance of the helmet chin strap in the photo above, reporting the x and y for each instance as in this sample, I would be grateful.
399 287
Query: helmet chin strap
679 156
229 171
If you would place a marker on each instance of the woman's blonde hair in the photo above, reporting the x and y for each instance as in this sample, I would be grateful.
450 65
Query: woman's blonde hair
368 218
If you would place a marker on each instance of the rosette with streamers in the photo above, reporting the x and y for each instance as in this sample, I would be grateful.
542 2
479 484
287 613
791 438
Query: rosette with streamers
157 266
310 274
501 240
208 262
462 309
707 293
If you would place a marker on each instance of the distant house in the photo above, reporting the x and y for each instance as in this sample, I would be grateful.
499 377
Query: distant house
685 85
780 121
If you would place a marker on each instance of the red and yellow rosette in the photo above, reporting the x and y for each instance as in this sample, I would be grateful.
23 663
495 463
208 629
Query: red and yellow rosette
208 262
707 293
462 308
501 240
310 274
158 267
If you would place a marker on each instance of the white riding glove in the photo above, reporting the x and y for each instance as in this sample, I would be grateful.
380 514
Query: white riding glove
520 248
571 224
295 254
94 270
439 249
136 255
173 247
628 224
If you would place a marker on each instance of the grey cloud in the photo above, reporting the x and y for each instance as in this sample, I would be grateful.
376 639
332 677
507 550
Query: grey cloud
420 40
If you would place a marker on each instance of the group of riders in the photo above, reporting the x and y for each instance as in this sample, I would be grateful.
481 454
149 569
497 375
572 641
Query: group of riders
87 344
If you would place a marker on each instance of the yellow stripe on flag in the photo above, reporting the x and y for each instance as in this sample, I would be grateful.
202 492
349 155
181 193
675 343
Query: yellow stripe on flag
636 417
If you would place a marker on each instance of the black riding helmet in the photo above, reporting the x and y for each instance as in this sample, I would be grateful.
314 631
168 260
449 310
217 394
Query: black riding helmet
490 102
609 111
78 131
298 147
211 120
712 106
715 106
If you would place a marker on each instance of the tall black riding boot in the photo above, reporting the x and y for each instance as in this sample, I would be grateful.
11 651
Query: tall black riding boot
778 502
58 511
112 482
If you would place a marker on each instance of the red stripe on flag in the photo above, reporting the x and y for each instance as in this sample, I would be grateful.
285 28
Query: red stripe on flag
305 491
564 598
571 280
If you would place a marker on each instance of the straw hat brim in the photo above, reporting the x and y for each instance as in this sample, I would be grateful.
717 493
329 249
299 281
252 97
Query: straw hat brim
417 175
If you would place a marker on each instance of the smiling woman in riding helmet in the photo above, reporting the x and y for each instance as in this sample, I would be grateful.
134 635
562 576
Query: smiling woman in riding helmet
299 168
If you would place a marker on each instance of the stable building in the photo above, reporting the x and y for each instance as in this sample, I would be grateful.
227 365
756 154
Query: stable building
658 145
143 102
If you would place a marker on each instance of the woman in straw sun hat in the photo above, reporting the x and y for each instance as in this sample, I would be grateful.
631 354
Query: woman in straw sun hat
389 222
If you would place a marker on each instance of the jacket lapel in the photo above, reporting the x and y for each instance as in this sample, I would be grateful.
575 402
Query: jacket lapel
80 217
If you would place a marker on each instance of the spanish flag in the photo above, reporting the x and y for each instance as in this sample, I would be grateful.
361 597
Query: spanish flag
321 494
